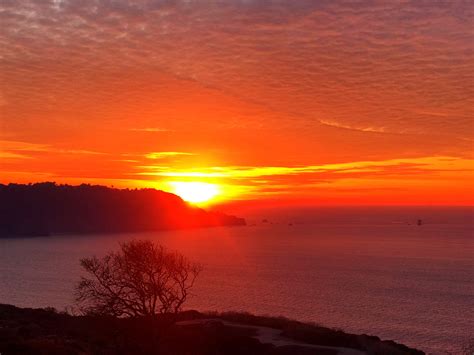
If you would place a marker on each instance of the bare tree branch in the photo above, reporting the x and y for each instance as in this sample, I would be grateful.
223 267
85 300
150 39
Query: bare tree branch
141 279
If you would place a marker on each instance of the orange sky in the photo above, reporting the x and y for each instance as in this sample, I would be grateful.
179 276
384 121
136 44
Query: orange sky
286 102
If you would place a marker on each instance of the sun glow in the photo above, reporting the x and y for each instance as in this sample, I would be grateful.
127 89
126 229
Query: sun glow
195 192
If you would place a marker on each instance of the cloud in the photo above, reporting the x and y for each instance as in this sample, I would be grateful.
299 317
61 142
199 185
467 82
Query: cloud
395 177
151 129
23 146
366 168
10 155
76 151
18 146
3 101
362 129
362 65
161 155
263 84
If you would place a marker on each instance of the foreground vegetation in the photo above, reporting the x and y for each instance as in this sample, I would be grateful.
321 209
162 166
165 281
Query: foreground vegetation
45 331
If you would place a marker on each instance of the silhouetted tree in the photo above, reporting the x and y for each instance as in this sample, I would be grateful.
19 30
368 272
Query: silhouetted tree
141 279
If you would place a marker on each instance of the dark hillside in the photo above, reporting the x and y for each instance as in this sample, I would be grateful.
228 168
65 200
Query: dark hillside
47 208
44 331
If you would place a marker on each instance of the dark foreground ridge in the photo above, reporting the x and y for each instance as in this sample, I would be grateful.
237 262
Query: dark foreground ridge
44 331
46 208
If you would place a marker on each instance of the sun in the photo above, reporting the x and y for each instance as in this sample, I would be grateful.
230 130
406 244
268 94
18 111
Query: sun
195 192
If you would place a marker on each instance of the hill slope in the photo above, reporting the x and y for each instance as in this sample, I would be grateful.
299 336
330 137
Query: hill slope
44 331
47 208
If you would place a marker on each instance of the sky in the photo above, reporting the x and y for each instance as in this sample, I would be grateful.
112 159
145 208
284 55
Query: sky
307 102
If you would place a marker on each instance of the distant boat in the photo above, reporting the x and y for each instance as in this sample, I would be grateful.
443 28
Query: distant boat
419 222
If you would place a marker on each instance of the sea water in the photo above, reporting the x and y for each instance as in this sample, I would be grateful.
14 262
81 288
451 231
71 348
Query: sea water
364 271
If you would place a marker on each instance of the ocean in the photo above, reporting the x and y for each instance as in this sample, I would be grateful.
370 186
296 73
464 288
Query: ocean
363 270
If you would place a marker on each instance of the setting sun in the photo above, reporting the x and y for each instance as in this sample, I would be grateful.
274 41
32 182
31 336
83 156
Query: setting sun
195 192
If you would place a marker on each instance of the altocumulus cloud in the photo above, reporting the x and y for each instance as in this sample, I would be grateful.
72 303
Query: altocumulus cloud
355 65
